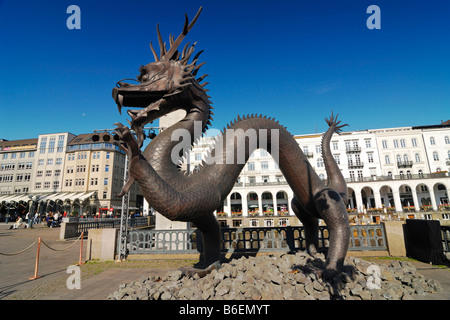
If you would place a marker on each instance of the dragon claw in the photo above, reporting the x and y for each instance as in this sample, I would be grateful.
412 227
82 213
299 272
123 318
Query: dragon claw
128 143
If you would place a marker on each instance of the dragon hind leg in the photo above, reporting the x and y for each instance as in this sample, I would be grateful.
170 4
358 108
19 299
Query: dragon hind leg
311 225
211 236
332 210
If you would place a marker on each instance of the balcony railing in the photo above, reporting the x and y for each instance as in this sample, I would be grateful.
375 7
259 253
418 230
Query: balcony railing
354 165
353 149
404 164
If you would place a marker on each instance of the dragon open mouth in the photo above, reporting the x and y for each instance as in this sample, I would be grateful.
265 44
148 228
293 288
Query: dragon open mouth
148 102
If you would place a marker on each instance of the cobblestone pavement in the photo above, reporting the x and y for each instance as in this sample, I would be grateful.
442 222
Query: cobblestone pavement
98 280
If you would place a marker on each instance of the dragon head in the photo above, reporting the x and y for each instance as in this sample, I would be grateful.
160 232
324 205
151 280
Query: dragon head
164 85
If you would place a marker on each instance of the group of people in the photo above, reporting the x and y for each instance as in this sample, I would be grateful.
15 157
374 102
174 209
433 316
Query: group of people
50 220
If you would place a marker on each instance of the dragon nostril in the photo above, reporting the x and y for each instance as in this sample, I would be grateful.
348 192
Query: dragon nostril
121 83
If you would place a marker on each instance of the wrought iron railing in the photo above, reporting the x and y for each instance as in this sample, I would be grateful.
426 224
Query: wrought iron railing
445 232
85 225
267 239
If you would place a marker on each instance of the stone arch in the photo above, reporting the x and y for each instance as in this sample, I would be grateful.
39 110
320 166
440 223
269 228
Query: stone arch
406 196
387 197
253 203
282 202
368 197
267 202
236 203
351 203
423 194
440 193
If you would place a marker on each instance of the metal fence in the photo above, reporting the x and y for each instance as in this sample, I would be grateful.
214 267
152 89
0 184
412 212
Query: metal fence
445 232
268 239
85 224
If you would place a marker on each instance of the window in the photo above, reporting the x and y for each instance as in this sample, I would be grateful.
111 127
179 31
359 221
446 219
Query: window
320 163
51 145
31 154
198 157
263 153
251 166
39 174
405 158
264 165
414 142
360 175
68 183
108 155
335 145
337 158
38 185
57 173
22 155
55 184
47 185
60 147
384 144
94 181
447 140
43 145
432 142
265 178
435 156
105 182
58 161
347 145
368 144
395 143
107 168
403 143
318 148
417 157
370 157
48 173
49 162
41 162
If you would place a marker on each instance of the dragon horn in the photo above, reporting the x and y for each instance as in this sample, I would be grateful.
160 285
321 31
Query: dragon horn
187 27
162 46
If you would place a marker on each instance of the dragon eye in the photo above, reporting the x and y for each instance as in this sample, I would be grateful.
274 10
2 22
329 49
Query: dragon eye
142 74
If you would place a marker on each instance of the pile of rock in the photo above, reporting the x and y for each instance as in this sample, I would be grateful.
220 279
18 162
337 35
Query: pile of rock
285 276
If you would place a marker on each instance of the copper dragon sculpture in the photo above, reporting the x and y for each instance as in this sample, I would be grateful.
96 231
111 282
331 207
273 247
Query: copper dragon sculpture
170 83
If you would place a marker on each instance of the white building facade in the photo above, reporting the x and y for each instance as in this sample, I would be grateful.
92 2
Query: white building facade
393 170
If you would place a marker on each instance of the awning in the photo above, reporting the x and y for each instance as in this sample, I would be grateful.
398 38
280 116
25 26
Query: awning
57 196
69 196
86 195
23 197
14 198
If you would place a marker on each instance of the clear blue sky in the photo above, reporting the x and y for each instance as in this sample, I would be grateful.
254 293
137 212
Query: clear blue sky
294 60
